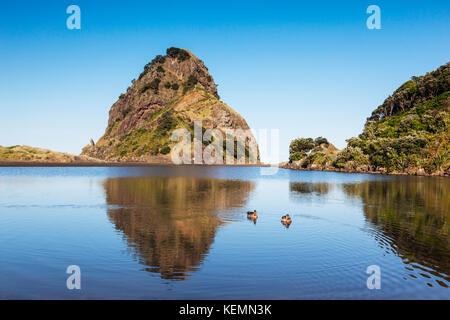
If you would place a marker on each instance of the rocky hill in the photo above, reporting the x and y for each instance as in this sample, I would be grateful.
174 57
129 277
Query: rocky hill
408 134
172 92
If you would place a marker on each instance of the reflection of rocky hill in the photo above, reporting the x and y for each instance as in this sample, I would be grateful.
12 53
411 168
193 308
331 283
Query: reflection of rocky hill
171 222
413 215
308 187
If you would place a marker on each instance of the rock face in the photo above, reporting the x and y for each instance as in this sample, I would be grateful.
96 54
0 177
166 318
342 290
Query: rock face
172 92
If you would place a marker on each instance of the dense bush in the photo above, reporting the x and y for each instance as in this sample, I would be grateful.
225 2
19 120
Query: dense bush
321 140
352 155
316 158
296 156
158 59
180 54
154 85
414 92
190 83
160 69
165 150
301 148
166 122
302 145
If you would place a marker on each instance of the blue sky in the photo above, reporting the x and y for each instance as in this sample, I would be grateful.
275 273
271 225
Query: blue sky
306 68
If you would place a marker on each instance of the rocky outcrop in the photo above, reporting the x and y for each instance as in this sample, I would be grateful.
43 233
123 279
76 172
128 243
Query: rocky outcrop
172 92
311 154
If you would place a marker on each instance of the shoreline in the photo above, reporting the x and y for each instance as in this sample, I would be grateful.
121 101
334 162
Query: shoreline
329 169
5 164
81 164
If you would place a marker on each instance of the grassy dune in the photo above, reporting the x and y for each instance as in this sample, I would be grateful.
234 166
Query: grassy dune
26 153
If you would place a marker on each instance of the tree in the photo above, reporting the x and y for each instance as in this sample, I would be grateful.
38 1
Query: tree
321 140
302 145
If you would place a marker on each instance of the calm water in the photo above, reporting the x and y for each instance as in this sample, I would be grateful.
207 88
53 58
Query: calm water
183 232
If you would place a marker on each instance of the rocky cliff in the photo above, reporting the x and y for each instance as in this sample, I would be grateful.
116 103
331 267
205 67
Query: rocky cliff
172 92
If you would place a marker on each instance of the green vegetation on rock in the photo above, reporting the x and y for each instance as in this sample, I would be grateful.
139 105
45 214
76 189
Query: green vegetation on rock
311 153
409 133
180 54
142 120
410 130
190 83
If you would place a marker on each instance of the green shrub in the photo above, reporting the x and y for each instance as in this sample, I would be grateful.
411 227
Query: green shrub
154 150
165 150
321 140
180 54
166 122
316 158
353 154
175 86
408 144
190 83
296 156
154 85
160 69
158 59
302 145
167 85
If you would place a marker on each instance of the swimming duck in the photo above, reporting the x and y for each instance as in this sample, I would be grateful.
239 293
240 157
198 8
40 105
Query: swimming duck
286 219
252 219
252 214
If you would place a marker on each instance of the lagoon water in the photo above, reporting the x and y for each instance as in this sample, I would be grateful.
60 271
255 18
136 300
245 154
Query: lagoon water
182 233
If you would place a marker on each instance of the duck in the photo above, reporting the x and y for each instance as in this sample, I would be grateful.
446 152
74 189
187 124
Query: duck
252 219
252 214
286 219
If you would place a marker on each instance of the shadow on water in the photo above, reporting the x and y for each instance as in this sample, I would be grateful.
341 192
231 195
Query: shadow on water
170 222
411 218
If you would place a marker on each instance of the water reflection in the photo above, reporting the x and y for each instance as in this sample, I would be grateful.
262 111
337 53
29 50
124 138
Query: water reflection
309 191
412 218
286 224
170 222
309 187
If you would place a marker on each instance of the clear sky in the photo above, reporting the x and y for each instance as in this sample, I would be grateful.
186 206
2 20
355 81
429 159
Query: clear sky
307 68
